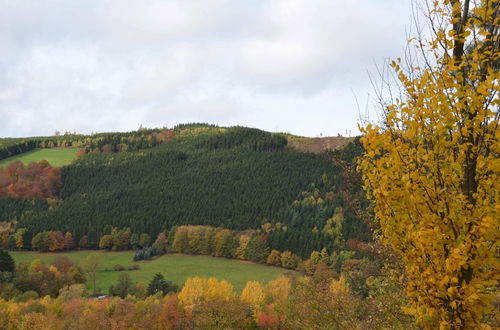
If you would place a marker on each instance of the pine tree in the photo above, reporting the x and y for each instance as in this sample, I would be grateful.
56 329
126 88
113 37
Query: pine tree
6 262
159 284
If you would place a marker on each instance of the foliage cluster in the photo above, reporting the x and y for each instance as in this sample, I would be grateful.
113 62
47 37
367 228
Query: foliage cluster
432 167
317 301
52 241
38 279
35 181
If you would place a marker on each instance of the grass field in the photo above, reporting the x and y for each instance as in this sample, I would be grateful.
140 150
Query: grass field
175 268
55 157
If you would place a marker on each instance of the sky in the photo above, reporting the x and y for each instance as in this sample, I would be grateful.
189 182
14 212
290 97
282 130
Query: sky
297 66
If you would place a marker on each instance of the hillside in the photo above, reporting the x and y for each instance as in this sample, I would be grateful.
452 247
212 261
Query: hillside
317 145
237 178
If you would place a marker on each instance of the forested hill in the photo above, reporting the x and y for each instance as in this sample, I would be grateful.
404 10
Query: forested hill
237 178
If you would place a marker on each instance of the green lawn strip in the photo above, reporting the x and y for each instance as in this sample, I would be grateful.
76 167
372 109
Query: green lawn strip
176 268
55 157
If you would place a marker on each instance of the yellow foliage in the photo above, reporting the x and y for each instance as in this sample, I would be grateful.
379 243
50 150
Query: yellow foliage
197 290
279 289
432 172
19 242
339 287
193 291
254 294
54 270
35 264
219 290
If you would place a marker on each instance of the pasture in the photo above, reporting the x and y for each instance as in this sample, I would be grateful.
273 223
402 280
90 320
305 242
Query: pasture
55 157
175 268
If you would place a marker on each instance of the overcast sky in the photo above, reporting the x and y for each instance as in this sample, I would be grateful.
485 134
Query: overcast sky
112 65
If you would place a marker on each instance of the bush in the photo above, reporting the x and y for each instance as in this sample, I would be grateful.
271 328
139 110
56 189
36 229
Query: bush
28 295
118 268
289 260
159 284
146 254
122 286
134 267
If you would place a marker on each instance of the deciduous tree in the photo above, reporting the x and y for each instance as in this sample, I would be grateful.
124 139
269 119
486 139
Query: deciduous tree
91 267
274 258
41 241
144 240
106 242
224 244
84 242
254 294
258 250
289 260
122 287
197 290
161 243
19 238
432 167
181 243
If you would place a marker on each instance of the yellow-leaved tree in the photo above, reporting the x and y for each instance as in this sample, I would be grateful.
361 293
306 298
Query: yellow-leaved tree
254 294
431 168
198 290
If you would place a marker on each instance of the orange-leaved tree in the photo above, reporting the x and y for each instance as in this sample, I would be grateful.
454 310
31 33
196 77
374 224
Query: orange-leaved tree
431 168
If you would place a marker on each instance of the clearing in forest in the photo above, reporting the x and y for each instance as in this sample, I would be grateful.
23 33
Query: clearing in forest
56 157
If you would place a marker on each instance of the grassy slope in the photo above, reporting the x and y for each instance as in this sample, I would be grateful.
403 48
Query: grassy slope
175 268
55 157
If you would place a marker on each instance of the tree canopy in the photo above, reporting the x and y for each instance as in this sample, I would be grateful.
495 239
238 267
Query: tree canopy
432 167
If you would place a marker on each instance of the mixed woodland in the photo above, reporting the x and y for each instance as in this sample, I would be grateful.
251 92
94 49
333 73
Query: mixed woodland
239 179
227 192
420 249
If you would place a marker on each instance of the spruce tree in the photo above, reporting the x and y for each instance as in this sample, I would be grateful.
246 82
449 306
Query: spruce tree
6 262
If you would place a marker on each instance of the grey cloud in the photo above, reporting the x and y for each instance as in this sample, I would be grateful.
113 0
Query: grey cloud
112 65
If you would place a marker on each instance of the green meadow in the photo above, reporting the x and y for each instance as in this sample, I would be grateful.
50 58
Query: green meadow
55 157
176 268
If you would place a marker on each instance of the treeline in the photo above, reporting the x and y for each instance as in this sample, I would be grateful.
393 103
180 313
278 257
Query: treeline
219 242
12 147
252 245
241 137
204 240
30 281
101 142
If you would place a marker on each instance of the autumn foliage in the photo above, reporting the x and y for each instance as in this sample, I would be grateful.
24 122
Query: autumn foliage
432 167
165 135
36 180
316 302
52 241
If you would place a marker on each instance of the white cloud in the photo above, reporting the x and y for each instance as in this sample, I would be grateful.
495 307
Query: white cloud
113 65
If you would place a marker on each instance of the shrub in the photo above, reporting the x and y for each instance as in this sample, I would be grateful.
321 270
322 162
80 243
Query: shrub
28 295
118 268
134 267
